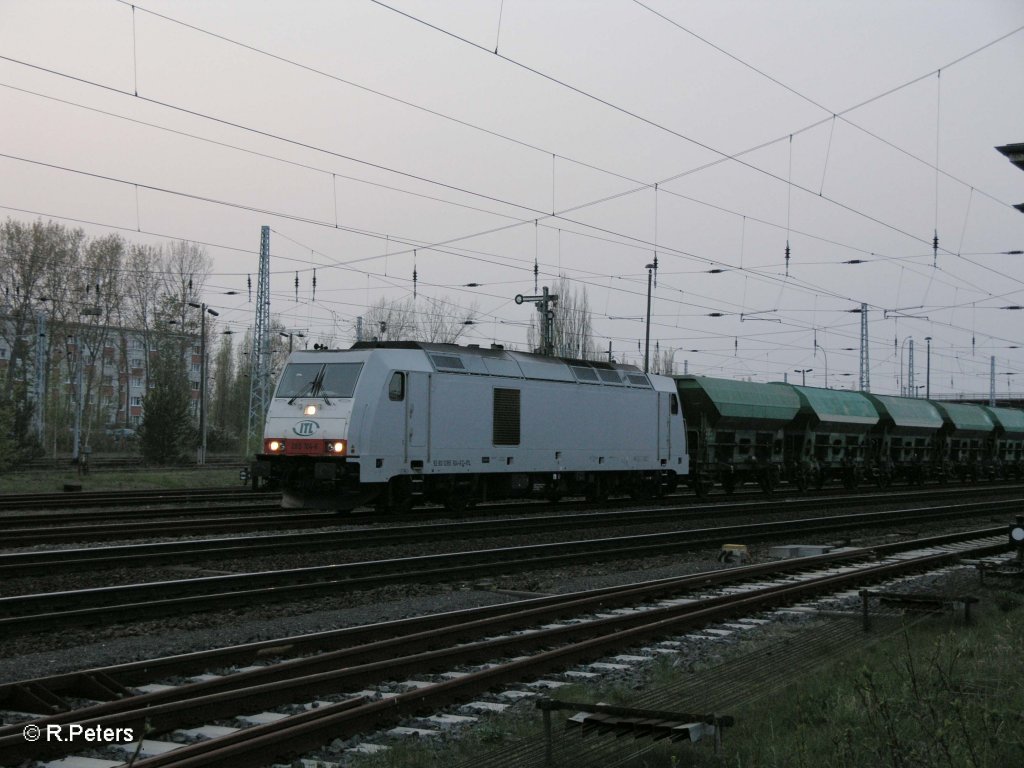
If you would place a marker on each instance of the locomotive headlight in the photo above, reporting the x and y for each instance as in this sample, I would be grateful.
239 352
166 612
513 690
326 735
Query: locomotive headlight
337 447
274 446
310 410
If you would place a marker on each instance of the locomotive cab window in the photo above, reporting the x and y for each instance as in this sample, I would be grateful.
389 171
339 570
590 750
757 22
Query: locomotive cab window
319 380
396 389
297 379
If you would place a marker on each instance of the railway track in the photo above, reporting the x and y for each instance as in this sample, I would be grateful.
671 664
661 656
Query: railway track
34 612
508 642
63 528
80 499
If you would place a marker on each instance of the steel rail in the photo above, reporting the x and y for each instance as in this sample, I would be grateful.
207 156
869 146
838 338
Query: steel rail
192 550
26 613
44 521
54 529
360 666
242 521
109 498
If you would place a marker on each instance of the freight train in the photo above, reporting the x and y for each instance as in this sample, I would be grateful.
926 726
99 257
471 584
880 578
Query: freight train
395 424
746 432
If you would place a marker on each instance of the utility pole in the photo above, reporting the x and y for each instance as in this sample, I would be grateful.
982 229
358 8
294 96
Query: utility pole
543 303
79 364
40 378
201 457
992 382
911 389
651 269
928 369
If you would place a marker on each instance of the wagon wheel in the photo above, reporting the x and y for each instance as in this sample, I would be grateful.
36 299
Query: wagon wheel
802 479
701 486
849 479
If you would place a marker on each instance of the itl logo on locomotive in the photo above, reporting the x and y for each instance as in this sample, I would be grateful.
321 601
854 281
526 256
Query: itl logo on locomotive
305 428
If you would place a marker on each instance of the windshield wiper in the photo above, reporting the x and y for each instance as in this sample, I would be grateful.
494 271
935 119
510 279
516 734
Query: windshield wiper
314 385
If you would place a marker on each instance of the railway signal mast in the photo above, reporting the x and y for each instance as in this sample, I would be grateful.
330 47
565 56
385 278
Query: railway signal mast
543 303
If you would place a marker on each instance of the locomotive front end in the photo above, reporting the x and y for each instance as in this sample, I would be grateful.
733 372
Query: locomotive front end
306 448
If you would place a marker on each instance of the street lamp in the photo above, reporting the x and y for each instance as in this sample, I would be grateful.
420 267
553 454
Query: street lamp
203 310
290 336
803 373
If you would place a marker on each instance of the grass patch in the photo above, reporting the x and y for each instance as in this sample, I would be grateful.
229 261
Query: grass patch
936 694
171 478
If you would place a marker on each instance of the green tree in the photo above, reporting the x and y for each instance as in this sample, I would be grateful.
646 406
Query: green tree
167 431
8 440
222 425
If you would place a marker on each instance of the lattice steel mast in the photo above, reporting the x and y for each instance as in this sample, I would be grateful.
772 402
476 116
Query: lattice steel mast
865 365
259 382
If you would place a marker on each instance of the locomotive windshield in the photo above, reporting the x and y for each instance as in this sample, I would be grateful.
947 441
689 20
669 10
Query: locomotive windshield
318 380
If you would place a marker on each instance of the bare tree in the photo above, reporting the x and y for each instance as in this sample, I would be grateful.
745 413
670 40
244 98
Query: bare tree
390 320
443 322
438 321
184 269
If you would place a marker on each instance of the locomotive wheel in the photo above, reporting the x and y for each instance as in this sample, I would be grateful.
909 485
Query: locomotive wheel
596 491
641 492
459 500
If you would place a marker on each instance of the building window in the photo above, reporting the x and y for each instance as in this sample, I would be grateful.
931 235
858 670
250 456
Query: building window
195 386
136 381
136 362
196 368
136 401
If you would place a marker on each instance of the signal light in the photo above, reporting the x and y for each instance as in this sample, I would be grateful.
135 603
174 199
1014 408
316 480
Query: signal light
1017 533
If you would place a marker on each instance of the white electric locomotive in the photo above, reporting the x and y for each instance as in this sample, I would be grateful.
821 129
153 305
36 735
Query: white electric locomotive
396 423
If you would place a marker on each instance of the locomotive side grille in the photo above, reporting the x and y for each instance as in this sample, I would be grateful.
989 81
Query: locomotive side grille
506 416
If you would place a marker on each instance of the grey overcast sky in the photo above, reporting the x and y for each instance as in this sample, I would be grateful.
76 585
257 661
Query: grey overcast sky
469 138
